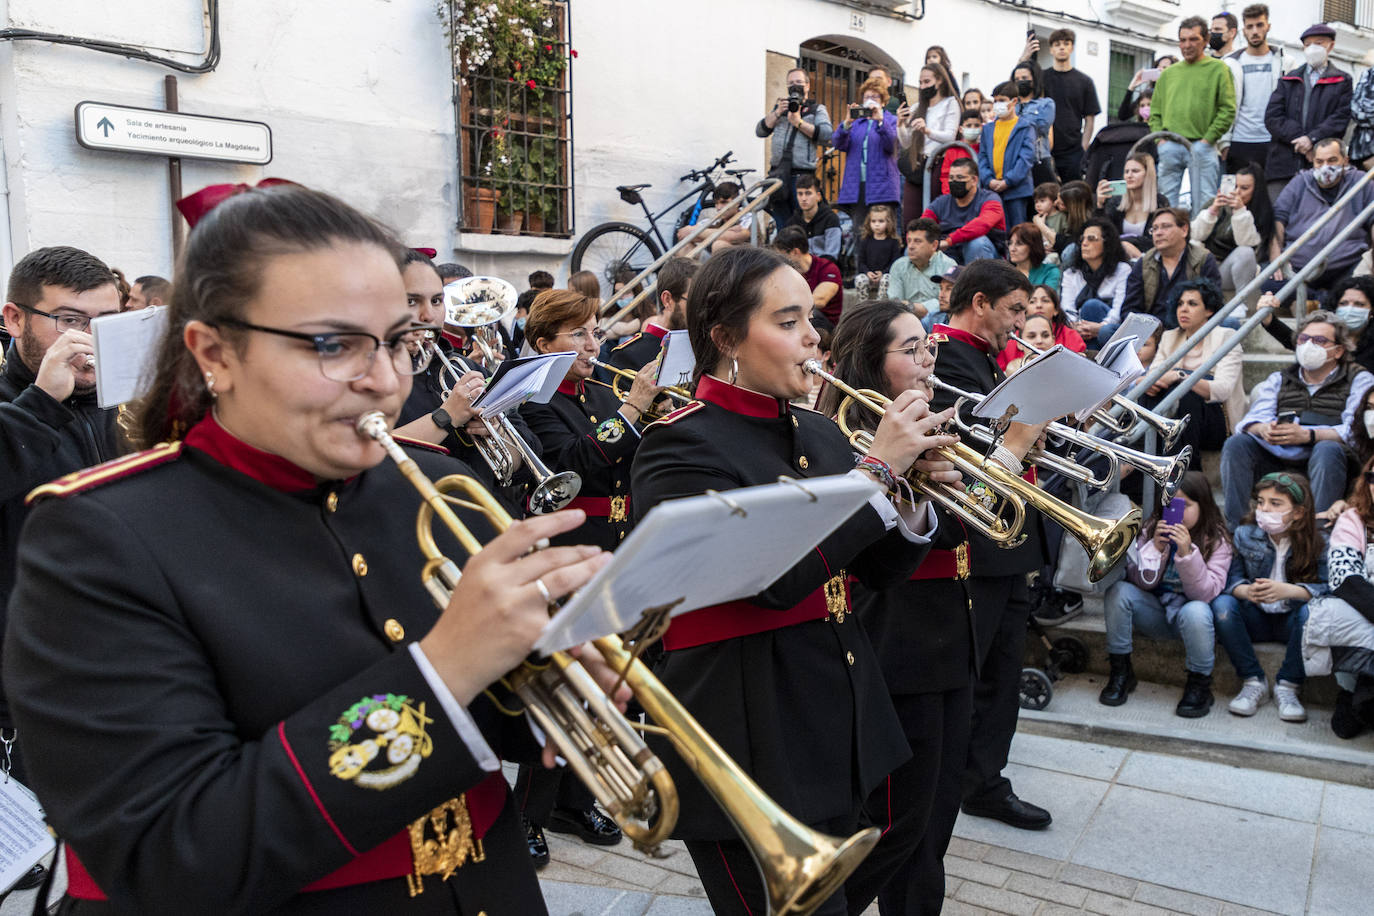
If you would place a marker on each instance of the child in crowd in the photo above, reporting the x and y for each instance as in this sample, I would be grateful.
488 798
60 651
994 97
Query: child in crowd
1046 215
878 248
1173 572
970 132
1339 635
1006 155
1044 302
1039 333
1278 566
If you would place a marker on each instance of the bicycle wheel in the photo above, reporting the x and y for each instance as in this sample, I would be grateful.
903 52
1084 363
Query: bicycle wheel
607 248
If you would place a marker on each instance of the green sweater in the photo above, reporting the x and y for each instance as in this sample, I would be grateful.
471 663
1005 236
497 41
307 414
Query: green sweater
1195 100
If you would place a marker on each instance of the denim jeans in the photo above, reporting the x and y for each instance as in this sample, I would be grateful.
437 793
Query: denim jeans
973 250
1129 607
1200 161
1244 460
1240 624
1015 210
1097 310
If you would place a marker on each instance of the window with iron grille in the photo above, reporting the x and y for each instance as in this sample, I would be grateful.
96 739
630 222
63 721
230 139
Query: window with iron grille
1338 11
511 65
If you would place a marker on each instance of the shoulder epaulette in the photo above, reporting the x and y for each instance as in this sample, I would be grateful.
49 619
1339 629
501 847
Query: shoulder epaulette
420 443
690 407
110 471
627 341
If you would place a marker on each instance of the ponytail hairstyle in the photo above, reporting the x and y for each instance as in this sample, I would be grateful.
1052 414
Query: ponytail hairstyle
858 351
220 273
725 295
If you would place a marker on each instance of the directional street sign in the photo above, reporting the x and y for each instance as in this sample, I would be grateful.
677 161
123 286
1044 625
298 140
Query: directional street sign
120 128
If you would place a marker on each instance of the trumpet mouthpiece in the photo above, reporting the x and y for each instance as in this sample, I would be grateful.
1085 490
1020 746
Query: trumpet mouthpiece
813 366
371 424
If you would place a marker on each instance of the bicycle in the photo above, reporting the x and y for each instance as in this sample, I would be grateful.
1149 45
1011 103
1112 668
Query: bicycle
610 247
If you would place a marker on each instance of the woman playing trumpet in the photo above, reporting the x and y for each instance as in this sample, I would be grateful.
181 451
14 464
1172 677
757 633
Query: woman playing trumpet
786 681
249 702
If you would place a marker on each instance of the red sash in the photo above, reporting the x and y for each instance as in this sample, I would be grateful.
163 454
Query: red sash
740 618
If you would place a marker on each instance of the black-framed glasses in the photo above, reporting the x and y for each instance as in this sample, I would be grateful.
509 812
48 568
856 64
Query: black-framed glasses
65 322
346 356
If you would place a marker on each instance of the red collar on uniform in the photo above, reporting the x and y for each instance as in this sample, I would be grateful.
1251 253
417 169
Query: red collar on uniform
654 330
973 340
223 446
738 400
571 388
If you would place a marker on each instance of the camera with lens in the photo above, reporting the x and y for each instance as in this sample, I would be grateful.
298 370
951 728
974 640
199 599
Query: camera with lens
795 96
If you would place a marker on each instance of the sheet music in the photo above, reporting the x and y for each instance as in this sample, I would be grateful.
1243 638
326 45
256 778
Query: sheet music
661 562
676 362
530 378
125 347
1139 325
1125 362
24 836
1052 385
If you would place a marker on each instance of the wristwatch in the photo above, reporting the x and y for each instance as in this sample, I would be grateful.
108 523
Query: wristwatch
442 419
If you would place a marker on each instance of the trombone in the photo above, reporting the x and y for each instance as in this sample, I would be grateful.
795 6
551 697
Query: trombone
801 867
1105 540
503 445
1168 428
1166 470
676 392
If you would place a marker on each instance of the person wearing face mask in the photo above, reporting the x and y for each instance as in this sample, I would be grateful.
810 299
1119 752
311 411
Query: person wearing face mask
1299 419
931 127
1352 299
971 218
1006 155
970 134
1278 565
1309 195
1309 104
1142 84
1033 107
868 137
1223 34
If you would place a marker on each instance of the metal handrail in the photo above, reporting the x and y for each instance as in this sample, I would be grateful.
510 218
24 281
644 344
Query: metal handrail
1177 392
765 188
939 156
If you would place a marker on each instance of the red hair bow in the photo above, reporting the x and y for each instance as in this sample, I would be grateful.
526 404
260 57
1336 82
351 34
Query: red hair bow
430 253
195 206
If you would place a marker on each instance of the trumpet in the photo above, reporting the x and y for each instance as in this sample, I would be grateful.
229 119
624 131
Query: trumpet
628 376
1168 428
1104 540
801 867
503 445
1167 471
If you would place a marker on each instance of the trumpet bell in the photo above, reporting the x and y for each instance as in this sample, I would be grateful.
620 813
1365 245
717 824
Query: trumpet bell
554 492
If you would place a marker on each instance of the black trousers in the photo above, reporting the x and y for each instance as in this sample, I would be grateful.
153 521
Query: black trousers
916 807
731 879
783 204
1242 154
1069 163
538 790
1206 429
996 693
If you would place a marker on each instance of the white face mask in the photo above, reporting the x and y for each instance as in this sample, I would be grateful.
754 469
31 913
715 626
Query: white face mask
1315 54
1271 522
1310 356
1369 423
1000 109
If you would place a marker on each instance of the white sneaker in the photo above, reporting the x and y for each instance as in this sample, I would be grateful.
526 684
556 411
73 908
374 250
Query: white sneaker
1253 693
1290 708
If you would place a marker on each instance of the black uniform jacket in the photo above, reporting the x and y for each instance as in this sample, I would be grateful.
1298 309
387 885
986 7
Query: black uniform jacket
802 708
427 395
582 430
639 350
40 439
922 629
209 660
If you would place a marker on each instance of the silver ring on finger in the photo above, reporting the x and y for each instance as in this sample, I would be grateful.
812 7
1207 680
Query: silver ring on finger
543 591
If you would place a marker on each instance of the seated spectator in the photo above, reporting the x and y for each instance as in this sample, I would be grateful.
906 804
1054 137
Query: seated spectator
821 273
1309 104
877 250
586 283
622 294
1006 155
1278 565
1075 203
1229 226
1310 194
1044 303
970 132
1299 419
718 214
870 144
1173 572
915 279
1353 298
1361 150
1173 259
1094 284
1045 208
816 219
1036 331
1132 213
1215 403
941 314
970 218
148 291
1026 252
1339 636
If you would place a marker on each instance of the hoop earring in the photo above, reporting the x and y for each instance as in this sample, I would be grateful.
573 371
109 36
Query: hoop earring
734 370
210 385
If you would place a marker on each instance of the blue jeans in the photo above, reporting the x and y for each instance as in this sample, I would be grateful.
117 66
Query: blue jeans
1244 460
1015 211
1240 624
1097 310
1129 607
973 250
1200 160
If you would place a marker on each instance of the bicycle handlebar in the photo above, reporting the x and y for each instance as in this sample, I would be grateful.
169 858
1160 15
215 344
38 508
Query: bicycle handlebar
723 161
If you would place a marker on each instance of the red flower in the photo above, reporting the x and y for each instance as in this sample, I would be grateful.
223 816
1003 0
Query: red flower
517 65
529 83
574 52
548 47
510 79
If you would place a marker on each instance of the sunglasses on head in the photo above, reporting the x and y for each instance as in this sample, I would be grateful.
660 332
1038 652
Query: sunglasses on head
1288 484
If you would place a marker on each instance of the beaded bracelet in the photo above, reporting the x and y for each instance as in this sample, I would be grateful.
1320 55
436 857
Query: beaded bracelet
879 468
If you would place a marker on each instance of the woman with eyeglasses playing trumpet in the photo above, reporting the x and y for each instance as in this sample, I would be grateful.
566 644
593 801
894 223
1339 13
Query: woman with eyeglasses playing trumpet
248 702
785 681
922 632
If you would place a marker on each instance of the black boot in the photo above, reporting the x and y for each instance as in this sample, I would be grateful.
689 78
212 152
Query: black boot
1120 681
1344 722
1197 696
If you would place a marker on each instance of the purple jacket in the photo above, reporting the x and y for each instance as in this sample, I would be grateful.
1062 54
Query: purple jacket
884 181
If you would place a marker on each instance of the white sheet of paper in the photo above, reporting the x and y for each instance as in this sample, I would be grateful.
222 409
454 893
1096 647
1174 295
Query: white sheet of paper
678 362
533 378
663 559
1053 385
125 347
24 836
1138 325
1126 364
